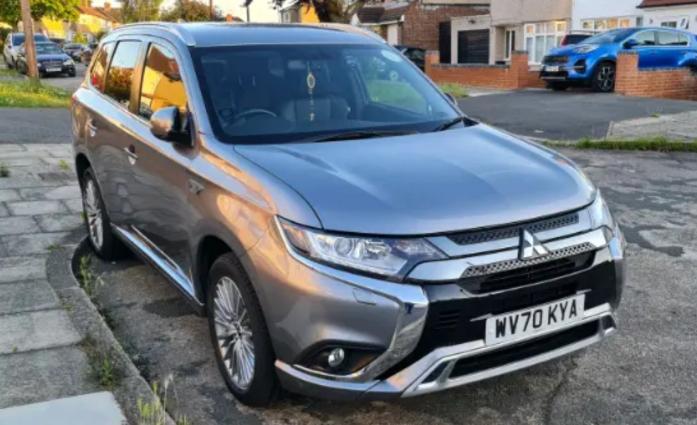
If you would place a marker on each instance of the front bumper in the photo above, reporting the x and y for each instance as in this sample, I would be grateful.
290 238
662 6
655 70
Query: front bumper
420 355
64 69
571 69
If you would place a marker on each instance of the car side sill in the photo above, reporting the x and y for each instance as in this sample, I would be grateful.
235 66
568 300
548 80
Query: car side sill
149 252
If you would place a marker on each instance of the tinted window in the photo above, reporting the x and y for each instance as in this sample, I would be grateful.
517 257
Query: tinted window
120 76
646 38
98 70
669 38
613 36
162 84
284 93
47 49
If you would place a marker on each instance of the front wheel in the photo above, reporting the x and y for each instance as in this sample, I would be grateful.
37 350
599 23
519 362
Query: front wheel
238 331
604 78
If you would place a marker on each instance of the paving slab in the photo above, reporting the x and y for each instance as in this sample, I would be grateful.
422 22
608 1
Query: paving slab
74 205
35 243
59 222
22 268
43 375
50 193
35 331
17 225
35 207
9 195
3 211
26 296
89 409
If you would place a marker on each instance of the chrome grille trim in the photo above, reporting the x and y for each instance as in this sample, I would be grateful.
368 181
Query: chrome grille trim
504 266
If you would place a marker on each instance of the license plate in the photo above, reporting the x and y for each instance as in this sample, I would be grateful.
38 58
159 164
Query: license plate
53 70
523 323
552 68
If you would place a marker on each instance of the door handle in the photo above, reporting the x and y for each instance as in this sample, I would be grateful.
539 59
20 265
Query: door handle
131 154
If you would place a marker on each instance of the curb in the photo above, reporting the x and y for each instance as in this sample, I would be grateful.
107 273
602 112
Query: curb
90 324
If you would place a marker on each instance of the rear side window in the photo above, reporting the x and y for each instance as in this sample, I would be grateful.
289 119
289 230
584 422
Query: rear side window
120 76
162 83
98 71
669 38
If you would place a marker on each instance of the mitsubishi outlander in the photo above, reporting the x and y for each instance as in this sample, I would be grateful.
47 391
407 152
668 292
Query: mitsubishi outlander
348 232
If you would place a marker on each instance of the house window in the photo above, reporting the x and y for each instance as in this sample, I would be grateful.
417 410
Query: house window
606 24
509 47
540 38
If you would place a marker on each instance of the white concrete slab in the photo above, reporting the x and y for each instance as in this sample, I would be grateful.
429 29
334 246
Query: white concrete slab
36 330
89 409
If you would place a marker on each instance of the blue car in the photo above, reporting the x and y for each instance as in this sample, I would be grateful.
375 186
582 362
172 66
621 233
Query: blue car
592 63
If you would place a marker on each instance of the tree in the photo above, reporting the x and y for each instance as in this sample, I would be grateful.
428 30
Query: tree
339 11
64 10
140 10
190 11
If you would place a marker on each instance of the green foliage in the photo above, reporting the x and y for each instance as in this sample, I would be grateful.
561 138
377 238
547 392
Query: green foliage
154 412
89 281
4 171
190 11
101 363
3 34
454 89
58 9
31 94
140 10
657 144
63 165
80 38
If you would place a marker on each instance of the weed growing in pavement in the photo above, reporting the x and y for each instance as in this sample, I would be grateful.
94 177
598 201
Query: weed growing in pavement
658 144
154 412
89 282
4 171
102 365
63 165
53 247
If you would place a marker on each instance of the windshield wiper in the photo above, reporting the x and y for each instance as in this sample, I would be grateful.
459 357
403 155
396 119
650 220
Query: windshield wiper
468 122
352 135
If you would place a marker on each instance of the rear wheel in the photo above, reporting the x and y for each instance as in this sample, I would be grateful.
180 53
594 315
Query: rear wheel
604 77
238 331
97 222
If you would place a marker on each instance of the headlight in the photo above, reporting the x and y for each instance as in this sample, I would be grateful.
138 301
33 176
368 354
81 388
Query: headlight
600 214
68 62
587 48
382 256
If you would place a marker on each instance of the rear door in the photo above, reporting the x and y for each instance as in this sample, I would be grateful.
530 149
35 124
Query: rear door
672 47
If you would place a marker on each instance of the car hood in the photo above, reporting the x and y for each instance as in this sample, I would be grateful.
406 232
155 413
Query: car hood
426 183
52 57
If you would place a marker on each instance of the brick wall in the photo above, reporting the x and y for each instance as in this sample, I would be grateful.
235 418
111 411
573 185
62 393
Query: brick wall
517 75
420 27
668 83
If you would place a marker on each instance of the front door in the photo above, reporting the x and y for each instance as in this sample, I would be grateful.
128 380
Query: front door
646 49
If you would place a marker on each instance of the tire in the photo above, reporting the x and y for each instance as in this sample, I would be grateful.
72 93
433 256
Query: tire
97 222
225 277
604 78
71 74
558 86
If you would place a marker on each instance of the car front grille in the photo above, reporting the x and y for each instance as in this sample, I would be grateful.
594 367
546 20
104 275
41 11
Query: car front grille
555 60
481 236
52 64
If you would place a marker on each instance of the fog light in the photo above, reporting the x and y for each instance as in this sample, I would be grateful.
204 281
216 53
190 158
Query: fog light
336 357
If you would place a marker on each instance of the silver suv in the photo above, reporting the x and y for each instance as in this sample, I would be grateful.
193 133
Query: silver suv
347 231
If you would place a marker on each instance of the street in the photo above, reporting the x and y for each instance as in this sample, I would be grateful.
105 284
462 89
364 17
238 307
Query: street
569 115
644 374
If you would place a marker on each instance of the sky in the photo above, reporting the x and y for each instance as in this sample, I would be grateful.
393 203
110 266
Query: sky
259 11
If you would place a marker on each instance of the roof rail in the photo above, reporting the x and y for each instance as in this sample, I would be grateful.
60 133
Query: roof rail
349 28
169 27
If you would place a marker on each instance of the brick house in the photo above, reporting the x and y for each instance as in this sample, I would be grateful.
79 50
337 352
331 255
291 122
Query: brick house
417 23
670 13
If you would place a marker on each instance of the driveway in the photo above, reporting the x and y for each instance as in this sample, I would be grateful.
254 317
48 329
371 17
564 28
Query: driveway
570 115
644 374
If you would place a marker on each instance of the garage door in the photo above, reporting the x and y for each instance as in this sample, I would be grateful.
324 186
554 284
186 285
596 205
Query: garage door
473 46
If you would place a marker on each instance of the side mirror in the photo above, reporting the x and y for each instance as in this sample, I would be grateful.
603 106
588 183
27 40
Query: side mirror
166 124
630 44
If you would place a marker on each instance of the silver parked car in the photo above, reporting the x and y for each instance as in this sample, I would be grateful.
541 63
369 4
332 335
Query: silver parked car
347 231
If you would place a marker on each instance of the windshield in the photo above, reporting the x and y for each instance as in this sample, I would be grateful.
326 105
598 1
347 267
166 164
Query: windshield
47 49
614 36
18 39
285 93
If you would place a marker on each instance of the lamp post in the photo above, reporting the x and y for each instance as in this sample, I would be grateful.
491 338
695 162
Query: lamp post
29 48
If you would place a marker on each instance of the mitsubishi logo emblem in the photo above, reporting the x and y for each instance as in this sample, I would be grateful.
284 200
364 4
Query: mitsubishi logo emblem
530 246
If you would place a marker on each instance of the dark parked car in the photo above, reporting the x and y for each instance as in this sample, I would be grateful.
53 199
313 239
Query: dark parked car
414 54
574 38
346 237
74 50
86 54
50 59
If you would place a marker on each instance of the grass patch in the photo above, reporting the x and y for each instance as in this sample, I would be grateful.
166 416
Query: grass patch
658 144
89 281
63 165
454 89
32 94
4 72
102 365
154 412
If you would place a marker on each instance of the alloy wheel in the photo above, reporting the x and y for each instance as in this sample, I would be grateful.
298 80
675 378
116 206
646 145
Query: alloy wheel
606 77
234 333
93 213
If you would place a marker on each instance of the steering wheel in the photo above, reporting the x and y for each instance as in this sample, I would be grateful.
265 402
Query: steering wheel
257 111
